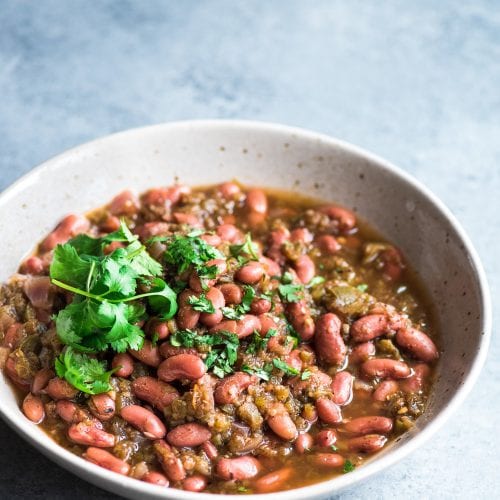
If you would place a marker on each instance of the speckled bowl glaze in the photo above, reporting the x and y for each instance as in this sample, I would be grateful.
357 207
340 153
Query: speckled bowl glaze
205 152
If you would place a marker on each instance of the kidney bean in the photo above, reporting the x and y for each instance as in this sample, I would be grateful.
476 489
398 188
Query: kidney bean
200 284
156 393
210 450
188 435
303 443
57 388
369 327
416 382
125 363
167 350
229 233
41 380
362 352
158 328
301 235
271 267
299 316
157 478
144 420
345 219
196 482
170 463
215 296
148 354
33 265
87 433
33 408
328 340
281 423
385 368
106 460
70 412
393 263
385 389
187 318
13 336
294 359
328 244
366 444
102 406
229 189
181 366
328 460
342 388
212 239
125 203
108 225
149 229
237 469
229 388
273 481
326 438
211 319
266 323
188 219
417 343
328 411
250 273
256 201
232 293
305 269
260 306
11 372
369 425
70 226
246 325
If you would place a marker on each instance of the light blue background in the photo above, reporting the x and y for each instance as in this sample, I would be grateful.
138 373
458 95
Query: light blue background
415 82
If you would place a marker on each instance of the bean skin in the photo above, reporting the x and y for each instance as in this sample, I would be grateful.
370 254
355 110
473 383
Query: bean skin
369 327
369 425
305 268
232 293
301 235
70 412
328 411
266 323
157 478
416 382
299 316
144 420
260 306
250 273
230 388
125 363
181 366
70 226
102 406
106 460
366 444
342 388
89 434
148 354
196 482
326 438
154 391
210 450
328 340
159 328
211 319
41 380
167 350
385 368
238 469
328 244
187 318
229 190
229 233
417 343
212 239
385 389
33 408
281 423
271 267
170 463
57 388
188 435
273 481
125 203
247 325
13 336
303 443
345 219
256 201
328 460
361 352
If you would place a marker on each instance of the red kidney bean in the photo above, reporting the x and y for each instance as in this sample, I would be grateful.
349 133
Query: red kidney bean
342 388
305 269
229 233
294 360
256 201
280 345
239 468
106 460
188 435
417 343
304 442
33 408
302 235
385 389
187 318
311 415
87 433
266 323
70 412
102 406
366 444
196 482
416 382
33 265
393 263
158 328
188 219
229 388
145 231
299 316
41 380
156 393
344 218
125 363
229 189
277 238
328 244
148 354
144 420
260 306
328 460
281 423
109 224
13 336
326 438
328 411
181 366
247 325
70 226
216 297
385 368
212 239
154 477
170 463
232 293
328 340
271 267
211 319
228 325
362 352
125 203
369 327
57 388
210 450
369 425
250 273
167 350
273 481
11 372
200 284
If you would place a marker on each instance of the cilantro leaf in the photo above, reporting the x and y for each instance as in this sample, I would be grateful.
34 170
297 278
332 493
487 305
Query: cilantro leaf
162 299
259 343
291 293
259 372
305 375
239 310
248 249
284 367
348 467
69 267
317 280
201 304
362 287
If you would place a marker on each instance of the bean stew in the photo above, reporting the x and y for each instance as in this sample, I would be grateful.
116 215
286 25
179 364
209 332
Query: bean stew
221 339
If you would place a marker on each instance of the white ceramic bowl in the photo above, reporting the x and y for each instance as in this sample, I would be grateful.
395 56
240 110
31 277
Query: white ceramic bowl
205 152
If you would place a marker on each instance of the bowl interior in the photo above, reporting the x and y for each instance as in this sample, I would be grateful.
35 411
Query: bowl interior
200 153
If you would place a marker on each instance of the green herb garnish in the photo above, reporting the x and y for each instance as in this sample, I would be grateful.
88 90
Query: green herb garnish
201 304
284 367
305 375
248 250
239 310
259 372
317 280
259 343
348 467
288 291
363 287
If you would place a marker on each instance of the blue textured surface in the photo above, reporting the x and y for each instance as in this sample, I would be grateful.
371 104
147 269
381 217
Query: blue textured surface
416 83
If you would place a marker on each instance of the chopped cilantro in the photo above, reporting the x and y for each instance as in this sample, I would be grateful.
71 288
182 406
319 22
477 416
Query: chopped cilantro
333 447
248 250
259 343
288 291
239 310
284 367
317 280
201 304
363 287
305 375
259 372
348 467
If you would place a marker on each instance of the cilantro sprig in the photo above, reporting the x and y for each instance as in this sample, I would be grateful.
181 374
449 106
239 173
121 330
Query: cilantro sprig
248 250
201 304
285 367
239 310
289 291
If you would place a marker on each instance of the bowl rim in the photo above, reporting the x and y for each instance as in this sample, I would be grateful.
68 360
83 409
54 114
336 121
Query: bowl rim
126 485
